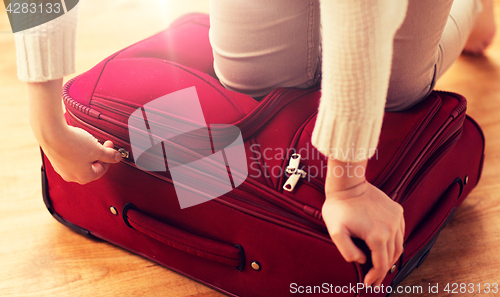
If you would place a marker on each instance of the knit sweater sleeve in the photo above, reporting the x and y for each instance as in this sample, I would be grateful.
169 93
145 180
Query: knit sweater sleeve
357 53
47 52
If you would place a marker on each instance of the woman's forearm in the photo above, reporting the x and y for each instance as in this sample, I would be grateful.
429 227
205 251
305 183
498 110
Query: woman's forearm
46 110
73 152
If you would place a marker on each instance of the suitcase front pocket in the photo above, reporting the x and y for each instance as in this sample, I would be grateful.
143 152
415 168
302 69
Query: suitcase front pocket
224 253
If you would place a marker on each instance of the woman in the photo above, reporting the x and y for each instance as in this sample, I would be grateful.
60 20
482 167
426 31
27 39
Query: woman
371 54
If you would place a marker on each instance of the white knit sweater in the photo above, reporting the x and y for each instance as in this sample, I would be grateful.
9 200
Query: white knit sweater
47 51
356 51
357 45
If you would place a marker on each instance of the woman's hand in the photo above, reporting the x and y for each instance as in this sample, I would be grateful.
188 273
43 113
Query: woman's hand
78 157
355 208
74 153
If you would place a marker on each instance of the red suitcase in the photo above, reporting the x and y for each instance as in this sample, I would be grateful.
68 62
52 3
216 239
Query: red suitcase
257 239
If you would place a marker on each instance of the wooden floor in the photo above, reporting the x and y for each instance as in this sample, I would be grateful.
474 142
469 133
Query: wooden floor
40 257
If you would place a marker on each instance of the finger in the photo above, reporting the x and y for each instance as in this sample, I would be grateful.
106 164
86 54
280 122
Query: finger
403 226
108 154
108 144
347 248
391 248
380 262
374 278
99 169
399 247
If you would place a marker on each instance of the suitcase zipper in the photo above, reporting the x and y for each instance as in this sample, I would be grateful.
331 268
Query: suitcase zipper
124 153
428 164
80 113
277 199
422 158
295 173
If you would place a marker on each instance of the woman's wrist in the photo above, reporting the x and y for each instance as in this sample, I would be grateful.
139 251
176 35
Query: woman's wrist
345 179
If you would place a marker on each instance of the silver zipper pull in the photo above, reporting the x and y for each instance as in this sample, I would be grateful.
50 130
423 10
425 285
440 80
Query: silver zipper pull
301 172
295 173
291 182
293 165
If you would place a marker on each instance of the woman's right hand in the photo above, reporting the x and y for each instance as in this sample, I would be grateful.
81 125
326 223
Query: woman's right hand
354 208
74 153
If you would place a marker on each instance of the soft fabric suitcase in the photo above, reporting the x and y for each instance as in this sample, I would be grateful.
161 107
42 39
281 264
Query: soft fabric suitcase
265 236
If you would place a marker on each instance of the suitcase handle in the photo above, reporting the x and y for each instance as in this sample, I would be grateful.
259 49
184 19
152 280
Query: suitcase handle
224 253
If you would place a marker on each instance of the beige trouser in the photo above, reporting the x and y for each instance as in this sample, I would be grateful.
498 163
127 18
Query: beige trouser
260 45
